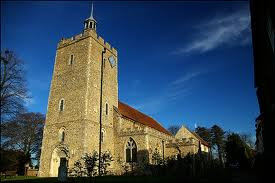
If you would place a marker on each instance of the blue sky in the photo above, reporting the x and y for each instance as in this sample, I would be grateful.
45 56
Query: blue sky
180 62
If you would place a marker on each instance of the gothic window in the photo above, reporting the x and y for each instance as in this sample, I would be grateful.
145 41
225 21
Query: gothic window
106 109
62 135
61 105
131 151
71 60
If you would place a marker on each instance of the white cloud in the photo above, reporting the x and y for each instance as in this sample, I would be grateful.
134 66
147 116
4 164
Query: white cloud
29 102
174 91
186 78
229 29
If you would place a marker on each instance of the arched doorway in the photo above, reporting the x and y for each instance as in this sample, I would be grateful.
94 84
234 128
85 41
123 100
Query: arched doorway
60 156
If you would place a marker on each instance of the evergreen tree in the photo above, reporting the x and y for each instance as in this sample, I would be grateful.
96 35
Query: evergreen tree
238 153
218 136
205 134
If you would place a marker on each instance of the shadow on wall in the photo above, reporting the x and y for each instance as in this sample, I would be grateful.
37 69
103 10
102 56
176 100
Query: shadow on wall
138 167
143 156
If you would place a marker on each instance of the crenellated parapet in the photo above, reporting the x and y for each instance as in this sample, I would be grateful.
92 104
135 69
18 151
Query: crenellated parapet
85 34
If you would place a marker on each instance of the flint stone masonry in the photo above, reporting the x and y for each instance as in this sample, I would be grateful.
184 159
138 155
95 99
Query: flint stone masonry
78 84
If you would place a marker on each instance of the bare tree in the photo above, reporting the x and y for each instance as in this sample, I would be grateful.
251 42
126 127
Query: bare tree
13 85
24 132
174 129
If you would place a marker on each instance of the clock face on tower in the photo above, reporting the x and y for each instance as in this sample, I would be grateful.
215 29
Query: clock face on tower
112 61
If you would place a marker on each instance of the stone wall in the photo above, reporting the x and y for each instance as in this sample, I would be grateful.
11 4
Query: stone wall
31 172
186 135
78 84
146 138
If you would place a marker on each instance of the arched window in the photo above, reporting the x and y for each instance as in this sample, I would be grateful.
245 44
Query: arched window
71 60
106 108
103 133
62 135
131 151
61 105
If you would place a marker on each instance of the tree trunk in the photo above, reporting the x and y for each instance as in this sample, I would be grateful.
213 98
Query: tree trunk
220 156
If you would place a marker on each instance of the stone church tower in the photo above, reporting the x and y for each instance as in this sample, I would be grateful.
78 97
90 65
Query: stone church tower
84 114
84 90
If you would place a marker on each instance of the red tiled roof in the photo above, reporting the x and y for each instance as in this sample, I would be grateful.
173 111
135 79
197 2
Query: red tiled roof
138 116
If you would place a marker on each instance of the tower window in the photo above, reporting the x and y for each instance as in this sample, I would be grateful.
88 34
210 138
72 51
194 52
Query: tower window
62 135
71 59
102 135
61 105
106 109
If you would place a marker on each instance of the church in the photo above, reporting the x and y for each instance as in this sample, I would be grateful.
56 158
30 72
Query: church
84 113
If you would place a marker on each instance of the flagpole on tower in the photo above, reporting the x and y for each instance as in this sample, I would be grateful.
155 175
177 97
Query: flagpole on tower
92 11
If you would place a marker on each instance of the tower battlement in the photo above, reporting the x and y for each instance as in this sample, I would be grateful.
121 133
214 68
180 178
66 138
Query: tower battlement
85 34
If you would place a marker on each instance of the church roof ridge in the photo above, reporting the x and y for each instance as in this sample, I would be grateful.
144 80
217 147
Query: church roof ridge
140 117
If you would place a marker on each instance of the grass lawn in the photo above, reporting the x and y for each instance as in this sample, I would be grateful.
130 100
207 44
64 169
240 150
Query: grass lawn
26 179
216 177
95 179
